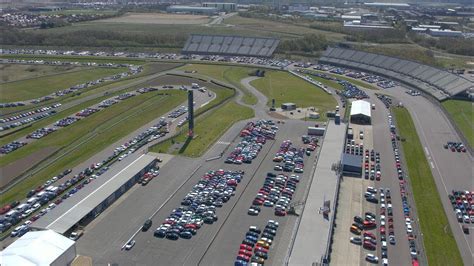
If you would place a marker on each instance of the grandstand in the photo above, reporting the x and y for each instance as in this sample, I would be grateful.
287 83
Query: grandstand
439 83
230 45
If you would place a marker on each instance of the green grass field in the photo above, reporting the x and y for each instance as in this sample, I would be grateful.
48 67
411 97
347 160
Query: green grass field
461 112
229 74
15 72
284 87
208 129
93 134
440 245
41 86
81 11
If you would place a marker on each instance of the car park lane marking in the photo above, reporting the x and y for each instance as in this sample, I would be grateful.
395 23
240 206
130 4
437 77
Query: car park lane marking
92 193
435 166
427 152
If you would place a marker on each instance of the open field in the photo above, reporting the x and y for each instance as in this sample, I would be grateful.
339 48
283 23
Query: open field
81 11
229 74
158 18
461 112
284 87
73 58
208 129
15 72
42 86
93 134
439 243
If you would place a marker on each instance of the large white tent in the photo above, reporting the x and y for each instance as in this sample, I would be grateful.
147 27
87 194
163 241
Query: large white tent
39 248
360 112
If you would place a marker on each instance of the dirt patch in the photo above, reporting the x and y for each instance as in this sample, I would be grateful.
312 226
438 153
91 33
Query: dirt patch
13 170
160 67
175 80
158 18
277 115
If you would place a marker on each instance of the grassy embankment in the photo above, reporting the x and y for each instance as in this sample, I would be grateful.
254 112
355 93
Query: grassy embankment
440 245
461 112
16 72
208 129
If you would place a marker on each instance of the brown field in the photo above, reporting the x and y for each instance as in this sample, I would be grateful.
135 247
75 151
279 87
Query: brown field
158 18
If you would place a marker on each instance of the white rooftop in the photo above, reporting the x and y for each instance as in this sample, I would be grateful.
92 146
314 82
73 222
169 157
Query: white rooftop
360 107
35 248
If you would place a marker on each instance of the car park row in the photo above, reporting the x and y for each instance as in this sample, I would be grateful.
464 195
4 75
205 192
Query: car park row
463 206
199 206
455 146
410 231
289 158
132 70
259 241
37 115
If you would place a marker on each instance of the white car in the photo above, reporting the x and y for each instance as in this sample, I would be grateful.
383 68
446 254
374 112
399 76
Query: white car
385 262
372 258
409 228
130 245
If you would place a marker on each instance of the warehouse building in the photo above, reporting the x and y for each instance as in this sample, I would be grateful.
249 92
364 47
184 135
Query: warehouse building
39 248
91 200
201 10
351 165
288 106
226 7
360 112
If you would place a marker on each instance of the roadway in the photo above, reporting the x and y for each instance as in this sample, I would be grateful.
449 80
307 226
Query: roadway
450 170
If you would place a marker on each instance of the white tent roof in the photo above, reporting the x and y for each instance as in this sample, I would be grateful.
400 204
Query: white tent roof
35 248
360 107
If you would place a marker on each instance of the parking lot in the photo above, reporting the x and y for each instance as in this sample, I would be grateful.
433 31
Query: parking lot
216 243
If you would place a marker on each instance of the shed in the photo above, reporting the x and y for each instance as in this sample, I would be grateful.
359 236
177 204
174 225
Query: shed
39 248
352 165
361 112
314 115
316 131
288 106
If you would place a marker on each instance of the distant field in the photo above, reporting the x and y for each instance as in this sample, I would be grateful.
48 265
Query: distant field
157 18
284 87
208 129
41 86
15 72
229 74
461 112
440 245
81 11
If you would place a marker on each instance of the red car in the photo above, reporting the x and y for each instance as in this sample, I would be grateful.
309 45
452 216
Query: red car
369 225
261 249
244 252
245 247
369 234
368 245
5 209
382 230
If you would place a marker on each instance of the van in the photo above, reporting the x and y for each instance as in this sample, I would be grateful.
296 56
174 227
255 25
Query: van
11 213
32 200
22 207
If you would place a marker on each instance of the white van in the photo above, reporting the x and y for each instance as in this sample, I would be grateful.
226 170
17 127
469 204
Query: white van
23 207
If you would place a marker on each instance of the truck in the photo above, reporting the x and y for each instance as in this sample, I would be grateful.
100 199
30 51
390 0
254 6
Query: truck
76 235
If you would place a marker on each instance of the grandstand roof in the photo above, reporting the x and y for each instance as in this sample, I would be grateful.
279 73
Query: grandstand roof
230 45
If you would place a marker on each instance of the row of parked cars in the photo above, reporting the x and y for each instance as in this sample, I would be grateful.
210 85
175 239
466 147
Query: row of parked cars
253 137
87 112
403 193
386 100
289 158
29 113
27 120
353 148
372 168
66 121
12 146
455 146
463 205
199 206
41 132
256 245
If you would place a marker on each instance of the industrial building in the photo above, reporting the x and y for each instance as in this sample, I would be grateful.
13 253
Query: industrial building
288 106
230 45
226 7
90 201
445 33
360 112
39 248
192 10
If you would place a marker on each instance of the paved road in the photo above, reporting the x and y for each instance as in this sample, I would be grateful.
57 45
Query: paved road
450 170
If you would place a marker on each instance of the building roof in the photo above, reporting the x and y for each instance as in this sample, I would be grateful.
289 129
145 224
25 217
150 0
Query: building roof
360 107
72 210
352 160
36 248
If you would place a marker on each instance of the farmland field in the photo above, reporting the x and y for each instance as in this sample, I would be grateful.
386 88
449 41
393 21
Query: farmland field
42 86
284 87
15 72
157 18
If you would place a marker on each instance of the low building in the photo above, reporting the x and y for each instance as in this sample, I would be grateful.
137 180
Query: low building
445 33
314 115
39 248
193 10
227 7
316 131
351 165
360 112
288 106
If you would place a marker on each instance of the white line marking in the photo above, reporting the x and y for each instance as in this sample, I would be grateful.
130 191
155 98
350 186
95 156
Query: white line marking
427 152
432 165
93 192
